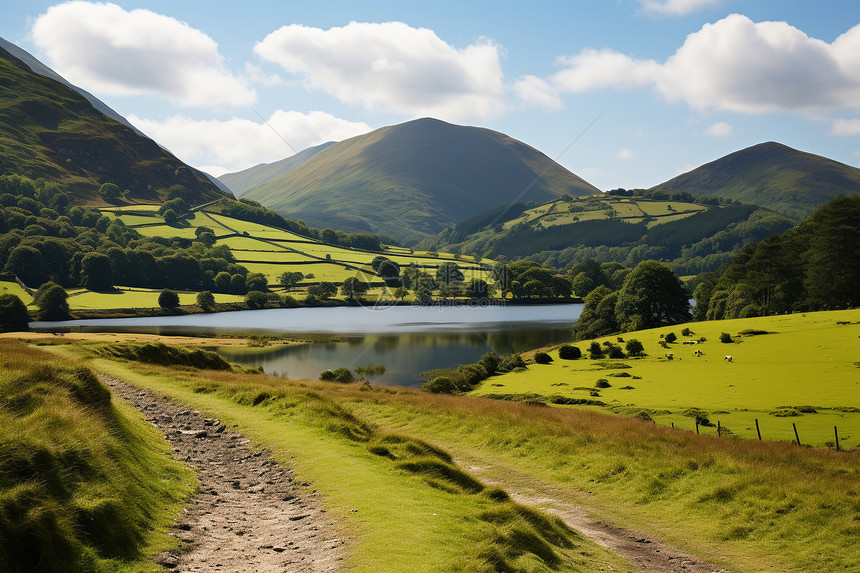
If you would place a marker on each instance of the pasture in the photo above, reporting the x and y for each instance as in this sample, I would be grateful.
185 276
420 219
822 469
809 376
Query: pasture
798 368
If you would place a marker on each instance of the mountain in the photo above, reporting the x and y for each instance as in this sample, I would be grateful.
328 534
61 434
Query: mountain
242 181
49 130
414 179
772 175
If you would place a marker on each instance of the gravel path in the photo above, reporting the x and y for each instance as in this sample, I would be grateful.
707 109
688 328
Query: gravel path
248 516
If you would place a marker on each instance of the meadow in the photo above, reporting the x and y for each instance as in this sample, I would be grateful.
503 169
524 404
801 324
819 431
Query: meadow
796 369
423 480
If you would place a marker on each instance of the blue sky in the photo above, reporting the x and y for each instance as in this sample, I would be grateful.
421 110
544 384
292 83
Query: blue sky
625 93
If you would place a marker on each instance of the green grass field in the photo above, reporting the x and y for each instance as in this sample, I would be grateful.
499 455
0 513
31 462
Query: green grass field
9 287
126 297
744 505
804 360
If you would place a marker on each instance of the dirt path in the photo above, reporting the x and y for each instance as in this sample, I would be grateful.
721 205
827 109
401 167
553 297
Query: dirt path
645 552
248 516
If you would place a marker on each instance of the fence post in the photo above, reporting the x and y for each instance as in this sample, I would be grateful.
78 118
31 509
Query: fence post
796 437
836 434
719 430
697 425
757 431
673 425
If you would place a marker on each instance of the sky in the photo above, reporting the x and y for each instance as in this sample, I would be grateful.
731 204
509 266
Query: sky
624 93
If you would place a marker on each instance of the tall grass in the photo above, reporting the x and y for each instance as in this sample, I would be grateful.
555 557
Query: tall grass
85 485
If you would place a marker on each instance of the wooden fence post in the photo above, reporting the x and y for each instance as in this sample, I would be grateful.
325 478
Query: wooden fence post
836 434
757 431
796 437
697 425
719 430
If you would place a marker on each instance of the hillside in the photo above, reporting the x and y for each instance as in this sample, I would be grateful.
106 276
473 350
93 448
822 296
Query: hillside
772 175
51 131
695 237
241 182
413 179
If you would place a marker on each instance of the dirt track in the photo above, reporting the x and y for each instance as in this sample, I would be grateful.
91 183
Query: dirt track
247 516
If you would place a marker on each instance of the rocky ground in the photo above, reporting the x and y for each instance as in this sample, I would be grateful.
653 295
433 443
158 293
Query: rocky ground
248 515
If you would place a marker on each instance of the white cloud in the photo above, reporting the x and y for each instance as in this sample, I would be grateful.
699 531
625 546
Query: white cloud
392 66
845 127
226 146
535 91
734 64
676 7
719 129
625 154
107 50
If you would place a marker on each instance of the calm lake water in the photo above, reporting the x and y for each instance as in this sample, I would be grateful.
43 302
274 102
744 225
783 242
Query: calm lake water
406 340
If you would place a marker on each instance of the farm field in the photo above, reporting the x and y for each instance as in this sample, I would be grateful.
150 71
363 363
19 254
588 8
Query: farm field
804 370
125 297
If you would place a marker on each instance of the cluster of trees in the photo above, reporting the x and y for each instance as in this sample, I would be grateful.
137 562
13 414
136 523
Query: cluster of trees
467 376
43 239
525 279
650 296
814 266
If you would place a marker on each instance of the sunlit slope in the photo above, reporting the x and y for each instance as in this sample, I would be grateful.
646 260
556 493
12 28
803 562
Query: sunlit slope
772 175
779 366
415 179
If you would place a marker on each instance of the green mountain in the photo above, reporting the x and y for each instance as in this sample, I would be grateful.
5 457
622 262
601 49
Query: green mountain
618 226
241 182
414 179
772 175
49 130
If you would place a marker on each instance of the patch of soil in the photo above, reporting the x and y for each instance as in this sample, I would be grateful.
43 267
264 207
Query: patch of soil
248 515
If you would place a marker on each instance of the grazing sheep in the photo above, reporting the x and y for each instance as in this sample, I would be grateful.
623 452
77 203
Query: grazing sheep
727 358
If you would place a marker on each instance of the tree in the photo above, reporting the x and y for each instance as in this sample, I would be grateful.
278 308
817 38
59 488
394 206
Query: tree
110 192
323 290
26 263
168 299
290 279
401 292
13 314
568 352
256 299
598 314
205 300
96 272
653 293
222 282
501 274
52 301
353 287
634 347
237 284
257 281
448 272
478 289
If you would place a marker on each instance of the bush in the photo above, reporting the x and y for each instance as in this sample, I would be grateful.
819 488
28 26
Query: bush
327 375
634 347
595 351
602 383
670 338
568 352
256 299
543 358
168 299
13 314
343 375
725 337
440 385
686 332
613 350
205 300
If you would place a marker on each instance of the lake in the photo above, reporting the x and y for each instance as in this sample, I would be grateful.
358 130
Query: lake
406 340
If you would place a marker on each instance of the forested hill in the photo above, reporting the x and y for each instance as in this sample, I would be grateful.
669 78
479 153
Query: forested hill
771 175
48 130
414 179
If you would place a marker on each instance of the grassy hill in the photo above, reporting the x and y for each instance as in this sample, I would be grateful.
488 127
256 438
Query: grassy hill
694 236
241 182
413 179
48 130
772 175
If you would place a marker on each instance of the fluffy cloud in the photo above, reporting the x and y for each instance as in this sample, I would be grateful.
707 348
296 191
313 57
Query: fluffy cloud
734 64
676 7
719 129
392 66
625 154
225 146
105 49
845 127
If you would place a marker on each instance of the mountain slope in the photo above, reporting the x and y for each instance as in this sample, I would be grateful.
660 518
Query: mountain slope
242 181
413 179
49 130
772 175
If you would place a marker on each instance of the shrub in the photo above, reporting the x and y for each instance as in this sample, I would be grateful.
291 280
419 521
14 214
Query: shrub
511 362
645 416
440 385
343 375
168 299
614 351
725 337
13 314
671 337
543 358
686 332
634 347
568 352
205 300
327 375
595 351
602 383
256 299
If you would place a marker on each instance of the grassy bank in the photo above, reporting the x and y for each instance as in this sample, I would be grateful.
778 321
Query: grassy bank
381 459
85 483
796 369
